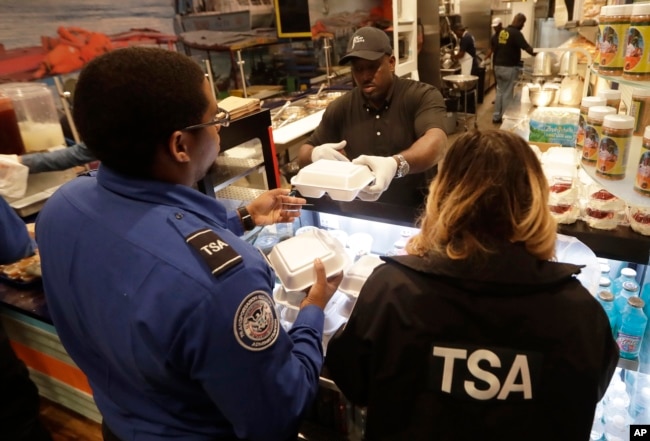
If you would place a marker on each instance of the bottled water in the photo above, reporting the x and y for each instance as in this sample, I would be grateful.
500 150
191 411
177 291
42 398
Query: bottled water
615 410
628 290
627 275
604 272
631 330
606 300
617 427
598 427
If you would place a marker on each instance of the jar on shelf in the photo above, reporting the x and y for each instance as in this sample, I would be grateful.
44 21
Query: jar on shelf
587 102
614 146
613 97
640 109
642 180
594 132
637 65
614 22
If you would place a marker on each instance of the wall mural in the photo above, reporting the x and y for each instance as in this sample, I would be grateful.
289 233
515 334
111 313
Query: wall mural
40 38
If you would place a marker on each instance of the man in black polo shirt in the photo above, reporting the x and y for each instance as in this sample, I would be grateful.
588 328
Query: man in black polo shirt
394 126
507 58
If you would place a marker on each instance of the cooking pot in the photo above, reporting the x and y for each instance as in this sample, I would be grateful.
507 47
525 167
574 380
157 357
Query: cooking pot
460 82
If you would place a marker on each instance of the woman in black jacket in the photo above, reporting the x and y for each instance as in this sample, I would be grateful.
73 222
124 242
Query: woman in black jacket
477 333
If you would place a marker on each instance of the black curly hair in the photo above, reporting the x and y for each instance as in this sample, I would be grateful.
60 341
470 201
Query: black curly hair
128 102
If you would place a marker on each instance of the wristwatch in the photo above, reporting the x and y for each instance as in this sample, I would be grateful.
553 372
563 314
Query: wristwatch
402 166
246 219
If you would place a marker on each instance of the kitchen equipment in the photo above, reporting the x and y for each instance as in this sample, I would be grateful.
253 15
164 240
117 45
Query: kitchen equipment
11 142
569 64
545 64
462 83
542 96
36 113
282 109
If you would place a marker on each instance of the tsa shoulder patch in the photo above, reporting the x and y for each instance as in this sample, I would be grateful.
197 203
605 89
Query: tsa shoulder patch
256 325
215 251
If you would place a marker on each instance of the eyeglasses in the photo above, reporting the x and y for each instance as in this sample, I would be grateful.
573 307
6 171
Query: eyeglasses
222 118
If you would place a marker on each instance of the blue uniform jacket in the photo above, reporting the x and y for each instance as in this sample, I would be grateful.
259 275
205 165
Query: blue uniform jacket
14 239
171 350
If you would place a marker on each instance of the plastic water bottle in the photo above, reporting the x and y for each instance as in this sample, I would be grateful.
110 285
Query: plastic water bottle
604 272
632 328
598 426
617 427
629 290
640 406
606 300
627 275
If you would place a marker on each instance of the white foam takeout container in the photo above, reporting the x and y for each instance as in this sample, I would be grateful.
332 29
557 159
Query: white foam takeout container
355 276
341 180
293 259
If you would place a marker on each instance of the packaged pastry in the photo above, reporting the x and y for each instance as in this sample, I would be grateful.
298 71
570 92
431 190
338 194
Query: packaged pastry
640 219
603 210
562 201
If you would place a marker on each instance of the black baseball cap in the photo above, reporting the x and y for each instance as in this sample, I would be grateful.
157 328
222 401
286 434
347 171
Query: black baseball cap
368 43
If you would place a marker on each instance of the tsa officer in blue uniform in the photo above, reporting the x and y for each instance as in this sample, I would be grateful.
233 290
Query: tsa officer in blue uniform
155 297
19 402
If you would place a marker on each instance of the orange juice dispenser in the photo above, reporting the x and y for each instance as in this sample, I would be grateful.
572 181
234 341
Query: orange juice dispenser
37 116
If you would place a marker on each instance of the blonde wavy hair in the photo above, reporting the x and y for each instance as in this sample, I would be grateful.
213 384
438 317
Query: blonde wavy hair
490 189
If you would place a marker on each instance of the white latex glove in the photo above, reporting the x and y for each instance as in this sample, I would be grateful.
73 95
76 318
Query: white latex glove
329 151
384 168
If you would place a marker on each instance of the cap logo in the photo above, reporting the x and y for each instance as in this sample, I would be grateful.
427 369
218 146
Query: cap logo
357 39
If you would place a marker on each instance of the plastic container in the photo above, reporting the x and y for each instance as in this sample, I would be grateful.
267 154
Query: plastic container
614 146
632 329
594 132
38 119
614 22
341 180
293 259
637 65
11 142
355 276
603 210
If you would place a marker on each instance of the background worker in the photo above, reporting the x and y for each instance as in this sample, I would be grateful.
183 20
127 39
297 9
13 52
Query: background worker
467 48
154 295
394 126
497 25
507 64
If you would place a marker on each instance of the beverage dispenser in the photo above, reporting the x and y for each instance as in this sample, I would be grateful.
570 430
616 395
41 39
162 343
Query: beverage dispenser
37 116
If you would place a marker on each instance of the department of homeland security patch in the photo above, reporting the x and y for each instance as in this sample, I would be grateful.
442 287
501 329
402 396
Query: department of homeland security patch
256 325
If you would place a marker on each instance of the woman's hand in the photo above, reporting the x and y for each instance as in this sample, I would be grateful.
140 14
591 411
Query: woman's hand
275 206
